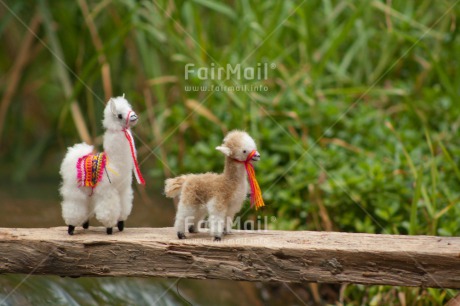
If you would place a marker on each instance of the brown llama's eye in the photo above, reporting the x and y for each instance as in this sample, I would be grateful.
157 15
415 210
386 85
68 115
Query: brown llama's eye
120 116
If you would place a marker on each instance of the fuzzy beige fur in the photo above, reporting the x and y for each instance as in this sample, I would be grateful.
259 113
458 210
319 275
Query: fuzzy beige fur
220 196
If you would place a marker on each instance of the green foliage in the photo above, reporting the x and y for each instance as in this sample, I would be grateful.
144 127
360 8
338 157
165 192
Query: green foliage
357 131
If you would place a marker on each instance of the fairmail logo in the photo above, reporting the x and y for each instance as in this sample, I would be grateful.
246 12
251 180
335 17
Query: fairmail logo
229 72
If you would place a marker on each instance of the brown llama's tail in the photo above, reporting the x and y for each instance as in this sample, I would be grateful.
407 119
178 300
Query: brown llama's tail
173 186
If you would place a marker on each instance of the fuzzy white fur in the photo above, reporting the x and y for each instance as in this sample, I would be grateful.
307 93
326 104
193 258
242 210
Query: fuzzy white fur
111 200
220 196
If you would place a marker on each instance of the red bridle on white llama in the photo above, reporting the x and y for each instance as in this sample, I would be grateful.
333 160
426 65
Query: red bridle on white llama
129 137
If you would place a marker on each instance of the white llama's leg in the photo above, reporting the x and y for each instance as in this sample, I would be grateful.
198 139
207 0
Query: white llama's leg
107 207
185 217
217 214
90 213
75 207
126 198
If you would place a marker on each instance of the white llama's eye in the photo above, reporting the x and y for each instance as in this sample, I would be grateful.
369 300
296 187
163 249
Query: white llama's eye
120 116
244 151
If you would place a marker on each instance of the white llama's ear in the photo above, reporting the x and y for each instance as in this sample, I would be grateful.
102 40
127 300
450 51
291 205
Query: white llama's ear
113 109
224 149
123 95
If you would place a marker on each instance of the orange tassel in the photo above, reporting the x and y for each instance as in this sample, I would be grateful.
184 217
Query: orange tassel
256 193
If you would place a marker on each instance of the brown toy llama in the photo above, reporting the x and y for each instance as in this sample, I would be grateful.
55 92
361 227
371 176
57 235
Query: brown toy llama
220 196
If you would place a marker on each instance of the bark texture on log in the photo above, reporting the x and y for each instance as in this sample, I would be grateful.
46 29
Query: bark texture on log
281 256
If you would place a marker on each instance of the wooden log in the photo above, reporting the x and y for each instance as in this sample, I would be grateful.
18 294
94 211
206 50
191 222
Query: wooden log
281 256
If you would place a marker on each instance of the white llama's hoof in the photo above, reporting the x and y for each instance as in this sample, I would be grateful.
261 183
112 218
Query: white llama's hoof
121 225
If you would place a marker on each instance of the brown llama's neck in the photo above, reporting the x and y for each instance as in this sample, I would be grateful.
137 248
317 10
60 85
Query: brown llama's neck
234 170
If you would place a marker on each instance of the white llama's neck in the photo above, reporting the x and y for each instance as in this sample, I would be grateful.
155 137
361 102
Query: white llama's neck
116 146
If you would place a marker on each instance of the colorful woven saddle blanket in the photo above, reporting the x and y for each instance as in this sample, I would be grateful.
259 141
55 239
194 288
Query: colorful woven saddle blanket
90 169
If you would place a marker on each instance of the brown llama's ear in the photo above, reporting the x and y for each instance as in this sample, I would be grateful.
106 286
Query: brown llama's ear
224 149
113 108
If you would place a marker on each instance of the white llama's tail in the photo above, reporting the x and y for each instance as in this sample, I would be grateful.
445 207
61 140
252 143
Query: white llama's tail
173 186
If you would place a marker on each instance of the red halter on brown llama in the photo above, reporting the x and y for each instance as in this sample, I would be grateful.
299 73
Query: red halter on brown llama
220 196
100 183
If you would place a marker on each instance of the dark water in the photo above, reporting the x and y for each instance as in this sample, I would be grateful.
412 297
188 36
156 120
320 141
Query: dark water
36 204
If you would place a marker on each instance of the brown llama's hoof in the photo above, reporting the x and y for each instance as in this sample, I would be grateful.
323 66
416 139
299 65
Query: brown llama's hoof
191 229
180 235
70 229
109 231
86 225
121 225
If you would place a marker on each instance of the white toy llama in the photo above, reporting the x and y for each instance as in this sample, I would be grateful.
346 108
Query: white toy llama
100 184
220 196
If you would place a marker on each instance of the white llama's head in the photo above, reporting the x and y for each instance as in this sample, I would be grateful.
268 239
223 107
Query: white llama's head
118 114
238 145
